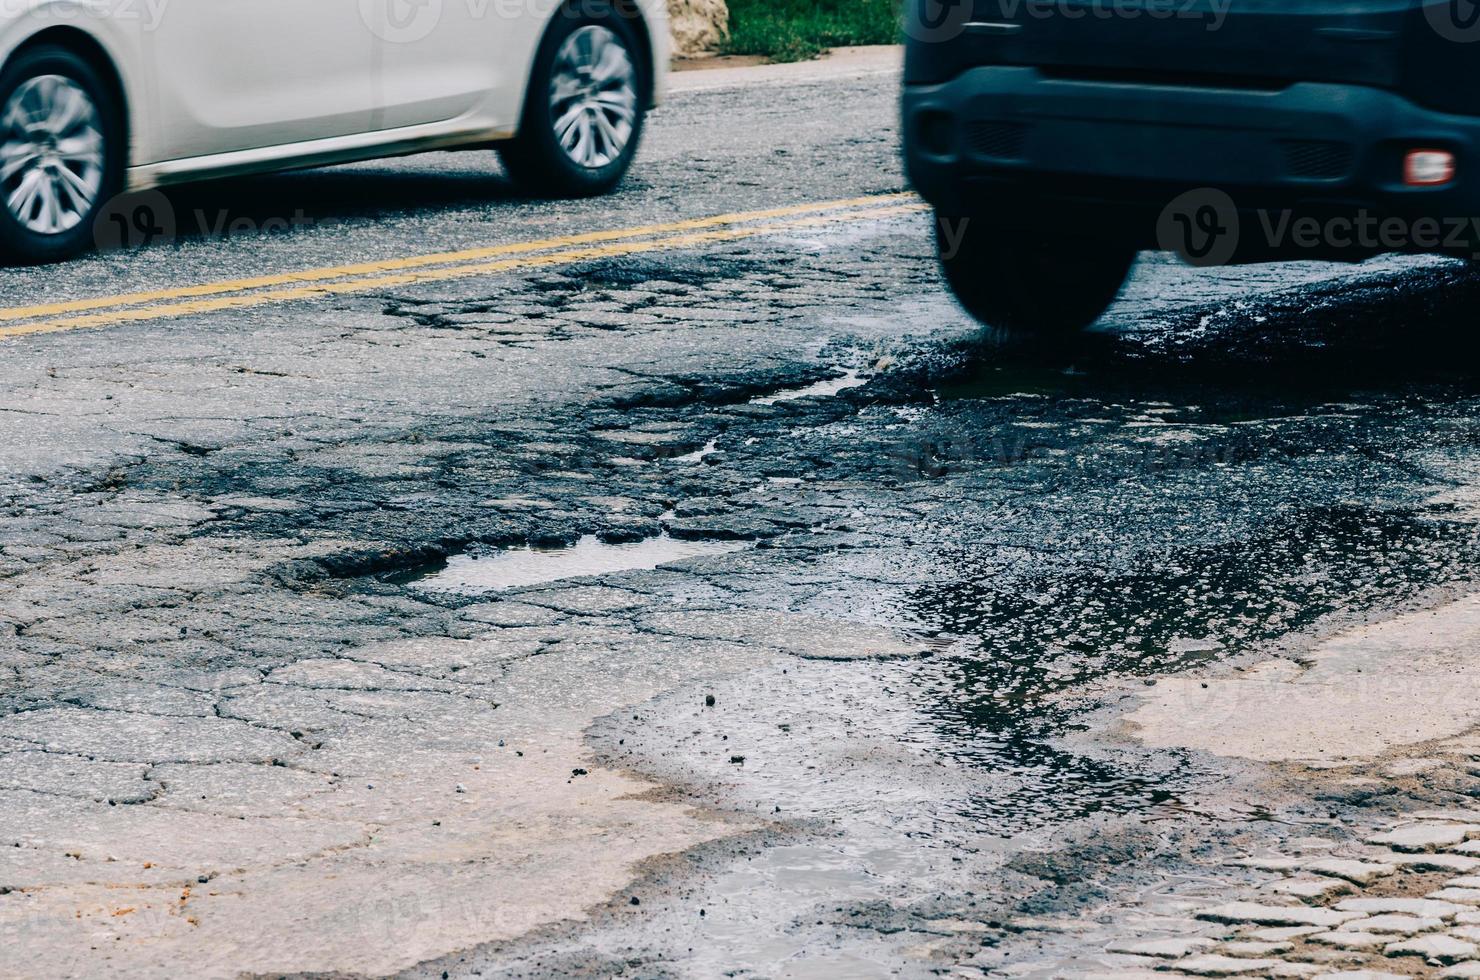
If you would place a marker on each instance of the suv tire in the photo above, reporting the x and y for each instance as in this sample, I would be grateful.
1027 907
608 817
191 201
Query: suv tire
1029 284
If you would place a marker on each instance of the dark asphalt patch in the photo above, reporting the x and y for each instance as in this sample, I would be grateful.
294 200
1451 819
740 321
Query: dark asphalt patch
660 275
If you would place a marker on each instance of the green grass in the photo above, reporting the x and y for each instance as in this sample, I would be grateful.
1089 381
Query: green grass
794 30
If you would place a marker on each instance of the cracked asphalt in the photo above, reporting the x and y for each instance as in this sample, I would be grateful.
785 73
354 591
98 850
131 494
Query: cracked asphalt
258 715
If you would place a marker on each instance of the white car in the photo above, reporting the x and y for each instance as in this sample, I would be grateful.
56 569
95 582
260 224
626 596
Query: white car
103 97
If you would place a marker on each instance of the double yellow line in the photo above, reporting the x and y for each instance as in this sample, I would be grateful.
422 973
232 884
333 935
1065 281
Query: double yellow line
235 294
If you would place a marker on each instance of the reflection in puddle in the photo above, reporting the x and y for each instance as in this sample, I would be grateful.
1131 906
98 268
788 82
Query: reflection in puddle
510 568
819 389
1153 400
1025 641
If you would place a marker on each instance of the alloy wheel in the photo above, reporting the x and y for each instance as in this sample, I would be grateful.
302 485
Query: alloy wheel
51 154
593 97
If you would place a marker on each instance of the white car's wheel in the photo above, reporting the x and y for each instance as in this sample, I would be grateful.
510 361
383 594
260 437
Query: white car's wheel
583 116
61 155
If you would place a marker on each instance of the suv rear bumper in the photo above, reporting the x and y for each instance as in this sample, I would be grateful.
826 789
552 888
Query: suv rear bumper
1019 143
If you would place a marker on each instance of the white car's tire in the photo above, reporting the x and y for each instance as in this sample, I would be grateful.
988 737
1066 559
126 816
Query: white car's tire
584 113
62 150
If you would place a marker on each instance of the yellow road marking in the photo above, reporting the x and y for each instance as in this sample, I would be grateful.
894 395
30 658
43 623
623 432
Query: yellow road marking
833 213
419 261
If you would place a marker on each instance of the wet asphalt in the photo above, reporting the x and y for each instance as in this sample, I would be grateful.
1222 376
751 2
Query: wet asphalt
1233 463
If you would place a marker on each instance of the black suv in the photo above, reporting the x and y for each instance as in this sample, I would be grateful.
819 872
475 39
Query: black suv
1055 138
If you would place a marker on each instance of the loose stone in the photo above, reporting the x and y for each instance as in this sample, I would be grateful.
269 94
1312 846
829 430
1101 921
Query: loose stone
1164 948
1425 836
1445 949
1357 872
1276 915
1427 907
1309 887
1351 940
1395 923
1211 965
1465 896
1256 949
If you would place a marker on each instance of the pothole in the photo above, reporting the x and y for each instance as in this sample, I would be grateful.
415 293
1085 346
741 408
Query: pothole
509 568
698 455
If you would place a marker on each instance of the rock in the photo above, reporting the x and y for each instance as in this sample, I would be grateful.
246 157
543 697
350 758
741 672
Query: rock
1363 975
1458 863
1276 915
1253 948
1309 887
1449 816
1461 971
1280 935
1351 940
697 26
1395 924
1270 863
1358 872
1426 907
1171 949
1426 836
1211 965
1465 896
1445 949
1330 954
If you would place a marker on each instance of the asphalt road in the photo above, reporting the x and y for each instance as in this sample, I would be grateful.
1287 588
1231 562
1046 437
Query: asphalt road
301 674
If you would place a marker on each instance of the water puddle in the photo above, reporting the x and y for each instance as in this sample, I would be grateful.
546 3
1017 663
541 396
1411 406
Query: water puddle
697 456
818 389
509 568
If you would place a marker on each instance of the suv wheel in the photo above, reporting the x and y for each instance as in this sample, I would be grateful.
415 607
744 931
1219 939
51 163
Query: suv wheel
584 113
1027 284
61 154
